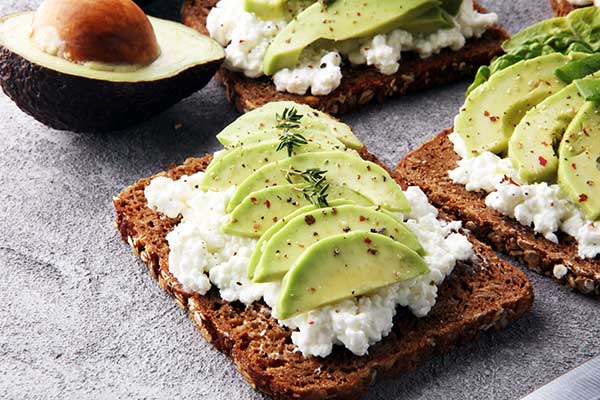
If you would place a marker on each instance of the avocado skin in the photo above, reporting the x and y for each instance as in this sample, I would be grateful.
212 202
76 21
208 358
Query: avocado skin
68 102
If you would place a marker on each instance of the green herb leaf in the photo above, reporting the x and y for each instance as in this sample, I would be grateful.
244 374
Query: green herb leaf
578 69
290 140
288 120
313 185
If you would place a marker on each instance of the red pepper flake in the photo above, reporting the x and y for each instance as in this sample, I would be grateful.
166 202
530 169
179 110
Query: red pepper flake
311 322
362 218
254 200
486 113
493 118
585 132
268 203
574 166
368 241
583 197
542 161
309 219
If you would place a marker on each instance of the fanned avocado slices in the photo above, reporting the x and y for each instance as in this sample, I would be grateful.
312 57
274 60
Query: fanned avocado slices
235 166
345 266
341 168
87 97
262 209
493 110
287 245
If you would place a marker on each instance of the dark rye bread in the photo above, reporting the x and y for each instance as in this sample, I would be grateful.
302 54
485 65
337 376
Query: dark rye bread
360 85
562 7
480 295
428 168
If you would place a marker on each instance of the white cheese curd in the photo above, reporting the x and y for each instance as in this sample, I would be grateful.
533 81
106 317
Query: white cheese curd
543 207
201 255
246 38
322 75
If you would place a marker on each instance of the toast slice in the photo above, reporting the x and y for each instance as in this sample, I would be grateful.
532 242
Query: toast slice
360 85
483 294
428 168
562 7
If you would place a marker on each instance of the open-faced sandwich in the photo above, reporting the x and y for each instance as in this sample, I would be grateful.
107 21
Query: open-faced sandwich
339 55
522 164
93 65
302 258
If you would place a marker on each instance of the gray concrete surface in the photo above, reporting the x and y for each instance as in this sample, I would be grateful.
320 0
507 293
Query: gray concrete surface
81 318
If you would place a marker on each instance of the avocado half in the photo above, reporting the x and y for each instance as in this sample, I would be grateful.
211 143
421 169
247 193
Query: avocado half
79 97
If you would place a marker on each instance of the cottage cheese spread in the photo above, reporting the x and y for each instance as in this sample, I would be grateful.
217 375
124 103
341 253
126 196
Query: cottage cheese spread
201 255
542 206
246 38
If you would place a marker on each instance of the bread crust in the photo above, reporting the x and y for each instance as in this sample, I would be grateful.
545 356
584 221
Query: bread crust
479 295
562 7
360 85
428 167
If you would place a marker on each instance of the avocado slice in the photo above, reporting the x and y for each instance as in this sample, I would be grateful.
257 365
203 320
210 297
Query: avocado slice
262 209
268 234
235 166
264 119
533 143
79 97
311 135
292 240
579 165
345 266
340 20
493 110
343 168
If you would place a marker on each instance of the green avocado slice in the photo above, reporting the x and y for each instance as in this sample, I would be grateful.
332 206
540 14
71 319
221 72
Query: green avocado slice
235 166
264 119
493 110
339 20
533 143
268 234
311 135
343 168
95 97
345 266
262 209
292 240
579 165
266 9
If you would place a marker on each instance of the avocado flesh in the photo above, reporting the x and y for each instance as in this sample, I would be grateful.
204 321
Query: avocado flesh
262 209
340 20
493 110
264 119
235 166
266 9
579 160
533 143
345 266
343 168
82 97
268 234
288 245
311 136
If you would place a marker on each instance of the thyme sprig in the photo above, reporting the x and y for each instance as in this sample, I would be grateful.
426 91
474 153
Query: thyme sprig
314 186
288 121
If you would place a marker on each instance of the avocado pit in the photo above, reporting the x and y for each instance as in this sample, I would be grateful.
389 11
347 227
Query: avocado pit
91 31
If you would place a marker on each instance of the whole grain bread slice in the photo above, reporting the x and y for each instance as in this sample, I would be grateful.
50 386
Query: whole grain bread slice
562 7
428 167
482 294
360 85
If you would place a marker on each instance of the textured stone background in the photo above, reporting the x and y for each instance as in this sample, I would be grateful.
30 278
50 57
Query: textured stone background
81 318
